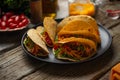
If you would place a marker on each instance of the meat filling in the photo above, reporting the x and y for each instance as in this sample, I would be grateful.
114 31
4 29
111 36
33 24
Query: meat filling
75 50
34 49
77 36
47 39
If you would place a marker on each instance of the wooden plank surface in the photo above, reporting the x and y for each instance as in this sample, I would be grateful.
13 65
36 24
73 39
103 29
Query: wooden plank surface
15 65
9 40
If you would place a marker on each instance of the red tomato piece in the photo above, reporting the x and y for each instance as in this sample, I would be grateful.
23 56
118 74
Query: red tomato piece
47 38
13 17
20 25
10 21
9 14
12 25
0 20
22 16
3 25
25 22
4 18
56 47
67 47
0 23
17 19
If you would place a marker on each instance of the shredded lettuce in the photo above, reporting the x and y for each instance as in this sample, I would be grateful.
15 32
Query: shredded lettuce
29 43
42 32
56 38
65 55
57 51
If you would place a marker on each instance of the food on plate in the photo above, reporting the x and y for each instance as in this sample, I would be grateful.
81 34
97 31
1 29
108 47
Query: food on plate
40 29
115 72
78 34
79 26
11 21
49 32
75 38
74 49
35 44
85 18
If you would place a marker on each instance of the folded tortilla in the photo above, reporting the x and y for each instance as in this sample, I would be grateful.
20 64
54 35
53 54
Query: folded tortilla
49 30
77 34
40 31
79 26
85 18
74 49
35 44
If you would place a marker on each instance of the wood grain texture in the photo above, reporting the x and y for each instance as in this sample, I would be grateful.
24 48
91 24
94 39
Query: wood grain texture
93 70
14 64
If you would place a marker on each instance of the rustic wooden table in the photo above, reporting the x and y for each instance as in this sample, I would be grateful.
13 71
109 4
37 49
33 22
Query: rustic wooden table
15 65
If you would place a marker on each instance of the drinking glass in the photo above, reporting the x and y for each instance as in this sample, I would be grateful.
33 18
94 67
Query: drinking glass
81 7
111 8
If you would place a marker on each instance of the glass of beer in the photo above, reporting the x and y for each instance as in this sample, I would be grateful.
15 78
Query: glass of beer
49 8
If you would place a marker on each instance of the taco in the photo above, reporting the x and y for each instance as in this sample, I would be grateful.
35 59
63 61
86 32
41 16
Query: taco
77 34
74 49
80 26
49 32
85 18
34 44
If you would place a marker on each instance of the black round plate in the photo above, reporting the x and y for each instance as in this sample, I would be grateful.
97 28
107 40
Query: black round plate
106 40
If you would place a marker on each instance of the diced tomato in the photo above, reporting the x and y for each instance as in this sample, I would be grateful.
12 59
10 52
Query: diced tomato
67 48
0 21
25 21
3 25
17 19
48 40
56 47
9 14
20 25
22 16
4 18
13 17
12 25
10 21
